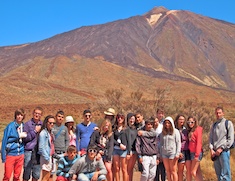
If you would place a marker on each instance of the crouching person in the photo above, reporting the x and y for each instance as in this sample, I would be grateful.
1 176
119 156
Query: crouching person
65 163
88 167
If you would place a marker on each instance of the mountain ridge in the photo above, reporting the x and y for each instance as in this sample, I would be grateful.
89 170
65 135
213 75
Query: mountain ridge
159 45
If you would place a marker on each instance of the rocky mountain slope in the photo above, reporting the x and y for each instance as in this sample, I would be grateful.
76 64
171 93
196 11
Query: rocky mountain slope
158 48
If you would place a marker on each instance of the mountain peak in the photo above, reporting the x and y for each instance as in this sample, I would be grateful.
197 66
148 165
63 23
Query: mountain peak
154 15
157 10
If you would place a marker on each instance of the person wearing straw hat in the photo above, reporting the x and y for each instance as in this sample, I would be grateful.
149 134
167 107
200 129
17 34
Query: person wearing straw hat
69 123
110 114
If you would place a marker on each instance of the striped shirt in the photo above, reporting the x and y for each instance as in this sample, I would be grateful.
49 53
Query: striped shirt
64 166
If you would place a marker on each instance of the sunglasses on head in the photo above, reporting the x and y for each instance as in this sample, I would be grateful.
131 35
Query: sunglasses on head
92 151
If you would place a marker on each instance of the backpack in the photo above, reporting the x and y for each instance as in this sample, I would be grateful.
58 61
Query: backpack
226 125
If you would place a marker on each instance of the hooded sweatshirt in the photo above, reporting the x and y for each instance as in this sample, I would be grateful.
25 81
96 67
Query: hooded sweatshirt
170 144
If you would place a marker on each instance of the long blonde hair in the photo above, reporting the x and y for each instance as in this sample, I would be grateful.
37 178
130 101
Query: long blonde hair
109 132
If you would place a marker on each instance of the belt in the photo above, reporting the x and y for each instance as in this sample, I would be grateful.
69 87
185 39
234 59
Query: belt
59 152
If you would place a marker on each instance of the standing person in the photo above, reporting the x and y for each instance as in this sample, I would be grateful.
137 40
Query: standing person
61 134
12 151
110 114
65 163
184 157
31 157
104 140
84 131
146 148
88 167
120 148
131 154
69 123
161 172
158 129
170 148
195 147
46 148
160 115
220 140
139 123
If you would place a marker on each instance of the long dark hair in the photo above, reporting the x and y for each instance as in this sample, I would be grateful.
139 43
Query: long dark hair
44 125
128 117
177 119
115 126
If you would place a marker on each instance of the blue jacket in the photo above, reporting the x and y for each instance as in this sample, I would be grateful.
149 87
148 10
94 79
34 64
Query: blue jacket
11 144
44 146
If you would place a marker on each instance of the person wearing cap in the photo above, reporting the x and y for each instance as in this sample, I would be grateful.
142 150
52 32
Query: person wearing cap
147 150
69 123
110 114
84 131
170 143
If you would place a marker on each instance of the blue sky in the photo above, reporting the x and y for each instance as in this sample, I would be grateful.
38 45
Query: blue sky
28 21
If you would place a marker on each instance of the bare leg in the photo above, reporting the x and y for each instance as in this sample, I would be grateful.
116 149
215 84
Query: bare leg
116 167
124 168
108 166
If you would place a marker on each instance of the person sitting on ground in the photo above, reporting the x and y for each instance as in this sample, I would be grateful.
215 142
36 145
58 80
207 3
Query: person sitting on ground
88 167
65 163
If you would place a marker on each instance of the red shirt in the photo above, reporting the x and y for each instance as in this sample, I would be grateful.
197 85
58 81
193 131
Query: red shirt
195 142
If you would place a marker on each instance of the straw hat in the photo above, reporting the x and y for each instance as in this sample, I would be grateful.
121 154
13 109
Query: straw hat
69 119
110 111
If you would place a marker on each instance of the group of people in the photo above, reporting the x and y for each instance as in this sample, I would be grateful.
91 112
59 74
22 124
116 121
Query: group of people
161 147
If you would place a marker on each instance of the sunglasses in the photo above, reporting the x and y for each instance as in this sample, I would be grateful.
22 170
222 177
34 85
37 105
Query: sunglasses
51 123
87 115
190 122
92 151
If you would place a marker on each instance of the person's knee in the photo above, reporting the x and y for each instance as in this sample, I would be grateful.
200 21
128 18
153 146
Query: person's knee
101 178
82 177
116 169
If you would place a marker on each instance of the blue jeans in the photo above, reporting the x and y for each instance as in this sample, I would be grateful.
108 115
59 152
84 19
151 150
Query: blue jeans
30 167
222 166
88 176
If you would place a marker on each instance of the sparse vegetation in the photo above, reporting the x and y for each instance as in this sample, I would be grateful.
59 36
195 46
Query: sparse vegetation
136 100
203 111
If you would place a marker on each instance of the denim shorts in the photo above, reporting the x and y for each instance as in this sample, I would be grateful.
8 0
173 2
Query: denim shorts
186 156
88 176
169 156
192 155
121 153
